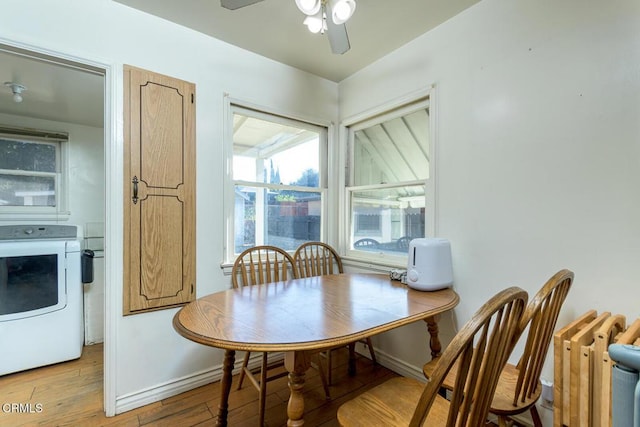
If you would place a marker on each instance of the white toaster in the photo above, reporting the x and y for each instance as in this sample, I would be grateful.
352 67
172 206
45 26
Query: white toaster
429 267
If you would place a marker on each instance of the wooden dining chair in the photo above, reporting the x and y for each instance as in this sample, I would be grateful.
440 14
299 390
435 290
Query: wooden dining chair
482 345
257 266
319 259
262 264
519 386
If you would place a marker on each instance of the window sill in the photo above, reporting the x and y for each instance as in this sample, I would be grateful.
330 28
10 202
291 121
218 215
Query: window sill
226 269
380 266
15 216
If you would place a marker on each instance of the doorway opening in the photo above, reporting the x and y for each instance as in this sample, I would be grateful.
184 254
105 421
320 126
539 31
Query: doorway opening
60 94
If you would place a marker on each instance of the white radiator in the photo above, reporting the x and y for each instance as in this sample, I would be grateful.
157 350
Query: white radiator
625 385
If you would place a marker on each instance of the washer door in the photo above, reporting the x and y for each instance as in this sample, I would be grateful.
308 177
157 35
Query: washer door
32 279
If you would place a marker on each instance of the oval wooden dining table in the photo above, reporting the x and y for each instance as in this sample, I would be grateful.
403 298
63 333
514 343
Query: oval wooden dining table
303 316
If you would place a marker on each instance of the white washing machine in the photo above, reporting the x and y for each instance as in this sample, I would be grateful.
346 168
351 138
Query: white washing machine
41 304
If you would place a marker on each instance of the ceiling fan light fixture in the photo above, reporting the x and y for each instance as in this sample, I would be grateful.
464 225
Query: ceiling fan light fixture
309 7
341 10
316 23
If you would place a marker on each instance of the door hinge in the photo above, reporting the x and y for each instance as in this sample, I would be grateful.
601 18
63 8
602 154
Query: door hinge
192 97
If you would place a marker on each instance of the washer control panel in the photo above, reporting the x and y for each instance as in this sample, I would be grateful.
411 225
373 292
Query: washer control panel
35 232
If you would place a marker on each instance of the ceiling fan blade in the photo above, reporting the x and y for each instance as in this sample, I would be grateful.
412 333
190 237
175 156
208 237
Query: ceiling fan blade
338 38
237 4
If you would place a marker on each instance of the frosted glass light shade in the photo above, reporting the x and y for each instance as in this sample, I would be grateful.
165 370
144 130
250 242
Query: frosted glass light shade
309 7
315 23
341 10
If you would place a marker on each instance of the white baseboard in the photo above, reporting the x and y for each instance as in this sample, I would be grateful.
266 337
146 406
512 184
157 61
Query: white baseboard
396 365
156 393
171 388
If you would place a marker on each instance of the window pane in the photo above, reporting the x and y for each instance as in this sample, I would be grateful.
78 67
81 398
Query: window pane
27 156
275 153
385 220
282 218
396 150
21 190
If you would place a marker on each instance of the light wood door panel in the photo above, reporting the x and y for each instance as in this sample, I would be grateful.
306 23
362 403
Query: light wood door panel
160 191
162 243
162 147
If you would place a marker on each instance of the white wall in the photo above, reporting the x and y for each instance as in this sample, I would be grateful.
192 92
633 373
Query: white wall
150 356
538 105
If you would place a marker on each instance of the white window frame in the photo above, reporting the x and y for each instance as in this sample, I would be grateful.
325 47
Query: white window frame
60 140
231 106
393 109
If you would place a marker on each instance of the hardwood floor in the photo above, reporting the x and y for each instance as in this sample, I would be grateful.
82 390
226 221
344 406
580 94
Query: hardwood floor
70 394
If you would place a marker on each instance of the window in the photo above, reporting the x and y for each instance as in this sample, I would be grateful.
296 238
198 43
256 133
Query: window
278 179
388 196
31 173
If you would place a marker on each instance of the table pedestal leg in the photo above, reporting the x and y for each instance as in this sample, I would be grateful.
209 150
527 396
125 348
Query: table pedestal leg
225 386
434 342
297 364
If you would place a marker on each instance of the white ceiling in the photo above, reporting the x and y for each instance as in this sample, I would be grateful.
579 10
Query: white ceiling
56 90
59 91
273 28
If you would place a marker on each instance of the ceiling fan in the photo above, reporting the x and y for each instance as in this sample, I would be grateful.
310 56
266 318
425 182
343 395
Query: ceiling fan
322 15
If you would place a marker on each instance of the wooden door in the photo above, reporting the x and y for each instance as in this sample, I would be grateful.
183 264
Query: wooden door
159 206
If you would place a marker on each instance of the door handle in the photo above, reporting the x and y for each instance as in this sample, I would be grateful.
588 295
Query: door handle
135 189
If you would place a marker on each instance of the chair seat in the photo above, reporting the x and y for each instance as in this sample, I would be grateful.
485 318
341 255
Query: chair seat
449 380
391 404
502 403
